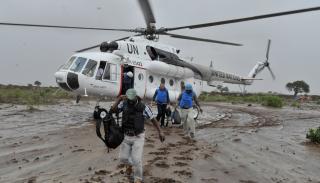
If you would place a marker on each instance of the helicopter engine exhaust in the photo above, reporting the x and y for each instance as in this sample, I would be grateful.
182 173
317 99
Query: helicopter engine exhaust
106 46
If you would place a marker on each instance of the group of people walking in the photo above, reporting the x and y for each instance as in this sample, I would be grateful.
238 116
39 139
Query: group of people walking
186 101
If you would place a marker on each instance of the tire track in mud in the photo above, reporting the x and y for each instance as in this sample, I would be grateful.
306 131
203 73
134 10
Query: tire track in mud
258 119
251 154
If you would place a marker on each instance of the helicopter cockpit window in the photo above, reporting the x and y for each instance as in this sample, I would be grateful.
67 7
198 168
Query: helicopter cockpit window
110 72
67 65
78 64
90 68
107 72
113 70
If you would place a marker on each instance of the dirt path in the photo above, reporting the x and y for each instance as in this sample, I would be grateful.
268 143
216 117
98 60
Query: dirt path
242 144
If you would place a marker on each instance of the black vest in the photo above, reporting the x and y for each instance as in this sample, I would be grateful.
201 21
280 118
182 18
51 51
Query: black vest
132 117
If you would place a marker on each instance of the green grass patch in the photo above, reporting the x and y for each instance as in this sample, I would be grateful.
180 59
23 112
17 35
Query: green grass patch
32 95
272 101
314 135
264 99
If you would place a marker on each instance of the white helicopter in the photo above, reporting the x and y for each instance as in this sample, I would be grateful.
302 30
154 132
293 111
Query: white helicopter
150 61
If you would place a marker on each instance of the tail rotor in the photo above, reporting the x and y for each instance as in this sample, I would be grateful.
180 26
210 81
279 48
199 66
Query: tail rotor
266 63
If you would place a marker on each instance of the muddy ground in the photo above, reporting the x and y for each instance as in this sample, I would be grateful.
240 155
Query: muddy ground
234 143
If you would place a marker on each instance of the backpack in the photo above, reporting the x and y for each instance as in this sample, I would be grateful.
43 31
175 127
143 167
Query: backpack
175 117
113 133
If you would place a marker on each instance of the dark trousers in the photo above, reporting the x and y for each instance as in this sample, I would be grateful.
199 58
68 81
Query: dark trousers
161 113
126 86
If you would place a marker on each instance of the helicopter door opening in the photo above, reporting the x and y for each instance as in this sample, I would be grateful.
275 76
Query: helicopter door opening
127 78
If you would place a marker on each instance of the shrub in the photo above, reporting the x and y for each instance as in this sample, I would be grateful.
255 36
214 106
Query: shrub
272 101
264 99
314 135
295 104
252 99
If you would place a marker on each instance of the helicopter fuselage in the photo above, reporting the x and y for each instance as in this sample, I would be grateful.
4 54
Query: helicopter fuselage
150 62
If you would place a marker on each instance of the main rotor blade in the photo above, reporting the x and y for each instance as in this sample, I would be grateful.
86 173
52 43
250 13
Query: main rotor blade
147 13
89 48
66 27
268 49
272 74
245 19
96 46
200 39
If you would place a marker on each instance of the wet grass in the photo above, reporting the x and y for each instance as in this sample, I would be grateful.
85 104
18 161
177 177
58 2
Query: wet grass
263 99
272 101
32 95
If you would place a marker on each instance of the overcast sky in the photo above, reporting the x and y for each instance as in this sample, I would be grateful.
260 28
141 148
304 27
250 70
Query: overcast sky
29 54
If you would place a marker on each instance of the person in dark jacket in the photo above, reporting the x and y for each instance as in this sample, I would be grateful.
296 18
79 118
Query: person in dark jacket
161 97
134 113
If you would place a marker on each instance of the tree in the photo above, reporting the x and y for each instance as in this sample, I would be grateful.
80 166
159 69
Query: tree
37 83
298 87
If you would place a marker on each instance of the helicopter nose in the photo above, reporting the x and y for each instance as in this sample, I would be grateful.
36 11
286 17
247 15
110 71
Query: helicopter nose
61 80
67 80
72 80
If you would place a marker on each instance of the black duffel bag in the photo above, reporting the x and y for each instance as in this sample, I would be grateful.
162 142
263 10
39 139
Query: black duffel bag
113 133
176 117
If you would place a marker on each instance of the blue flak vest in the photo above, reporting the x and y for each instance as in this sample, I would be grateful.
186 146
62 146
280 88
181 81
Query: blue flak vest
186 101
162 96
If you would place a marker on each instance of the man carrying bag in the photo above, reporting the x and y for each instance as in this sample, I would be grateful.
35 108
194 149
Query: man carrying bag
134 113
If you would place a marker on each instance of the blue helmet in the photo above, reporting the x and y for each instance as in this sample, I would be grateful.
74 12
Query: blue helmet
188 86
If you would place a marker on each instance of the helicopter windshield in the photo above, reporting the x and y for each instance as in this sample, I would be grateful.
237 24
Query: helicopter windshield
67 65
78 64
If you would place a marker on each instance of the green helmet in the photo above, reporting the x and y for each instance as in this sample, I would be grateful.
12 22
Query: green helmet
131 94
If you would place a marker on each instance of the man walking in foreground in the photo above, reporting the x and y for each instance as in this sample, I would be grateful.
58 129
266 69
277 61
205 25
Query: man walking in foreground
185 101
134 113
161 97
